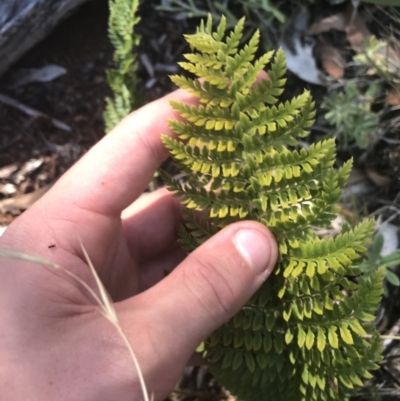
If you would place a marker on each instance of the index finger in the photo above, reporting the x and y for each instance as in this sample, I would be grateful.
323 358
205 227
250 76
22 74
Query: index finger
118 169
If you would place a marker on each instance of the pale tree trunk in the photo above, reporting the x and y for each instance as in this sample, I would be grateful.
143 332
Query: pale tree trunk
23 23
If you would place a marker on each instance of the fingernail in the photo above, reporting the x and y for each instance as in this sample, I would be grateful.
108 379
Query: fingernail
255 248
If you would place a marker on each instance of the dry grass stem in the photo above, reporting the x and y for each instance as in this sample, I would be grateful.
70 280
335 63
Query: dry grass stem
109 313
105 303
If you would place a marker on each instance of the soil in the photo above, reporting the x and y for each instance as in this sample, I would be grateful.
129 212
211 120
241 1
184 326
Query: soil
34 152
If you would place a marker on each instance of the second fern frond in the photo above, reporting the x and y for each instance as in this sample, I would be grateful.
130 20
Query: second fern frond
122 79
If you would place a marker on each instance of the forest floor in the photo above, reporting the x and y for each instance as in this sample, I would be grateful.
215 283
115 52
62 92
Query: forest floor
36 150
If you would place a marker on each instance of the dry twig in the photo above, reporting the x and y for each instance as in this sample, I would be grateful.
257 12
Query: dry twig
32 112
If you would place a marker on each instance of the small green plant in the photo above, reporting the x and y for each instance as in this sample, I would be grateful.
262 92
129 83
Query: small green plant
382 57
308 333
122 79
374 260
351 115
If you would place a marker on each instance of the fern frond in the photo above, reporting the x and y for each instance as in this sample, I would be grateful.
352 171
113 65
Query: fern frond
302 336
123 79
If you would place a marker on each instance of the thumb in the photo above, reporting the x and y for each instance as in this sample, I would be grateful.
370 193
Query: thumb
213 283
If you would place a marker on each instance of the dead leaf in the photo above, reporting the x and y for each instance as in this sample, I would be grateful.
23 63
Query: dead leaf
378 179
356 176
8 189
300 60
350 21
335 21
299 52
353 23
332 60
390 236
22 202
393 97
46 73
7 171
356 28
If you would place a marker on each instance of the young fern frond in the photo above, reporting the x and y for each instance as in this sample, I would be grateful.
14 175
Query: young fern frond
123 79
302 336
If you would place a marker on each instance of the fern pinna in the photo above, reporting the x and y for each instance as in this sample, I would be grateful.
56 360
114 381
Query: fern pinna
307 334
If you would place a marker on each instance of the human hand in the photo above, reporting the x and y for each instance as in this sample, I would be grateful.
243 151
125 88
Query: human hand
54 343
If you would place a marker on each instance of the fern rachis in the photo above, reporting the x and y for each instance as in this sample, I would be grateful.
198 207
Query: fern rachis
302 335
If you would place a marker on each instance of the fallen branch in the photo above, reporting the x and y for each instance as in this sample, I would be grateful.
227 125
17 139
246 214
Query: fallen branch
23 23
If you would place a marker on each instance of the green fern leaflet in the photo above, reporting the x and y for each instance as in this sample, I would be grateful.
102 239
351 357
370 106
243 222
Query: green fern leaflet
308 333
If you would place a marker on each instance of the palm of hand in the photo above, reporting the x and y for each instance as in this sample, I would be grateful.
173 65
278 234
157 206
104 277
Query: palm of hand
56 345
77 210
